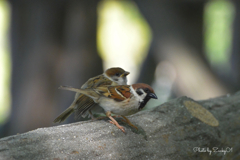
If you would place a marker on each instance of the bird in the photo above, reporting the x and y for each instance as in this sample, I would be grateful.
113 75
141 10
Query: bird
122 100
83 105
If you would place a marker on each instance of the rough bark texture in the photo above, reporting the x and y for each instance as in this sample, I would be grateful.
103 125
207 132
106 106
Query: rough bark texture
169 131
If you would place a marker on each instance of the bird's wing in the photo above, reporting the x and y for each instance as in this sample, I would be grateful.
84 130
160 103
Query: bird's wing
118 93
97 81
84 103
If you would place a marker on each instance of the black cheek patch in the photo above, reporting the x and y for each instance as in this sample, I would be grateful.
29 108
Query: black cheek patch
143 103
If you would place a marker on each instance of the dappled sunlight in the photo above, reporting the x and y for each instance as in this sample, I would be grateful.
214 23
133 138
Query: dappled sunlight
218 19
55 44
4 62
165 76
193 77
123 36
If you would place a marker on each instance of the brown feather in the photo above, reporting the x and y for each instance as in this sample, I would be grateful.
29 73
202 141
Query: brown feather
82 103
119 93
124 90
143 86
113 71
97 81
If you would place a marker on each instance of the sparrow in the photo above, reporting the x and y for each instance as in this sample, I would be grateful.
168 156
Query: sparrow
122 100
82 105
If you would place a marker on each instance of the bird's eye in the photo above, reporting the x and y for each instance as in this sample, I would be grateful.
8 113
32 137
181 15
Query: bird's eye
117 74
139 92
146 90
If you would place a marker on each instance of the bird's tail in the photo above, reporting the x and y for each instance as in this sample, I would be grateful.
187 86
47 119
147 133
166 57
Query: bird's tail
88 92
64 115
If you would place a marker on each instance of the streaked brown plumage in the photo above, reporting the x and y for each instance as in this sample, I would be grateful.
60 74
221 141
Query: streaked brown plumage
82 105
121 100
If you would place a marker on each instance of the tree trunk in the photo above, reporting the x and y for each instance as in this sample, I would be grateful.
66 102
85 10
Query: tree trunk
179 21
53 43
179 129
177 51
235 52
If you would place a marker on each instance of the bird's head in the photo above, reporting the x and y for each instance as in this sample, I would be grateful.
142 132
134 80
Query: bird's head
117 75
145 92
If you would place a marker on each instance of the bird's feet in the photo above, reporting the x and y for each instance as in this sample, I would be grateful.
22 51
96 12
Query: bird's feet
126 120
117 125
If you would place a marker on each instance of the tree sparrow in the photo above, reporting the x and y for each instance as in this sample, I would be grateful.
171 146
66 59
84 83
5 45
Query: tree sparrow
82 105
121 100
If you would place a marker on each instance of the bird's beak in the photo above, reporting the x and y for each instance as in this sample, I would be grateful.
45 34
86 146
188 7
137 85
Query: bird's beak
152 95
125 74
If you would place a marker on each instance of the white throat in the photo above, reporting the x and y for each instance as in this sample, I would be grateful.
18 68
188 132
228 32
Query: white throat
139 97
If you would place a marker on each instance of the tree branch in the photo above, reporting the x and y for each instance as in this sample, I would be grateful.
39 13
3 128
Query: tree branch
173 130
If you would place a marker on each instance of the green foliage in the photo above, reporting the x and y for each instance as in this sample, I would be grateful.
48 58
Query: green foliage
218 31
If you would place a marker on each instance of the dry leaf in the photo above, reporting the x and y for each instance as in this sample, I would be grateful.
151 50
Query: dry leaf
201 113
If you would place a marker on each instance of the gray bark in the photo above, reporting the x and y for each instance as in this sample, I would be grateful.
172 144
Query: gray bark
170 131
